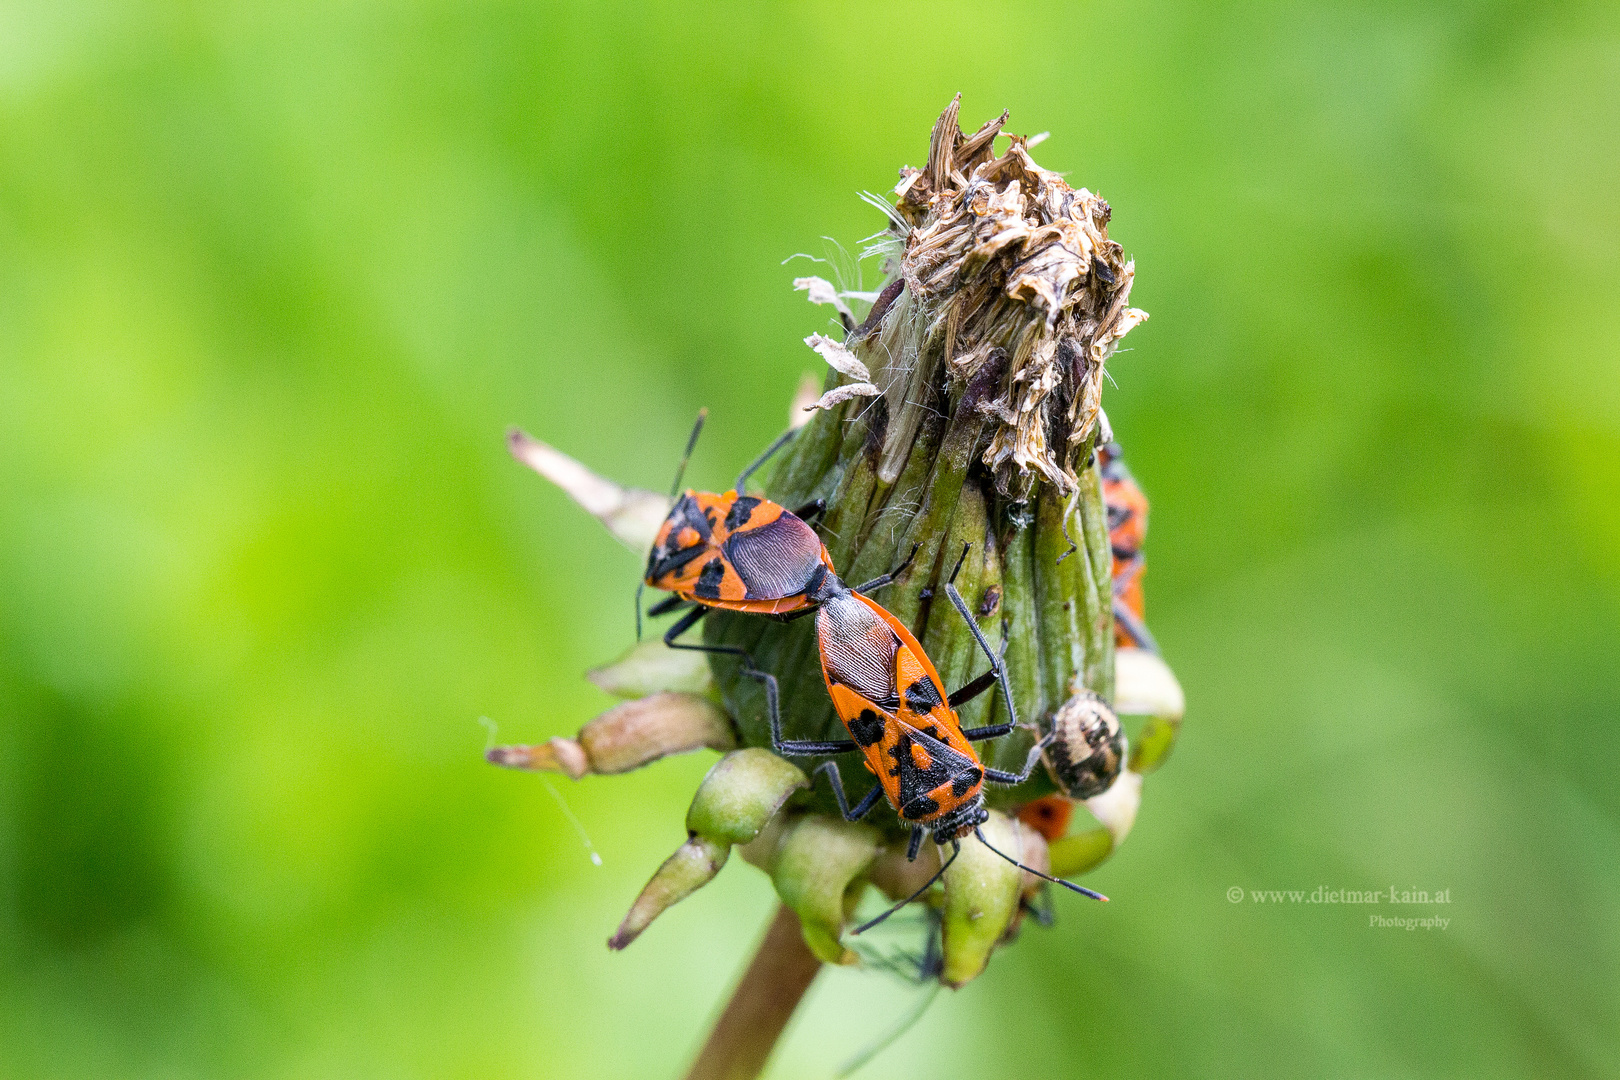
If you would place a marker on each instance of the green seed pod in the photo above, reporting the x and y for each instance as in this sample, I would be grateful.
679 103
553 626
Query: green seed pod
732 805
651 667
627 737
1116 808
694 865
981 899
740 794
1153 744
1082 852
1147 687
815 871
900 877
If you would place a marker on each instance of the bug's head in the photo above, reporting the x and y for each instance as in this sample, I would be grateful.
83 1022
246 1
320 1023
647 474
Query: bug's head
684 536
961 821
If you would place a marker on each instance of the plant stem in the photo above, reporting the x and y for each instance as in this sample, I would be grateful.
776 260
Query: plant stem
742 1039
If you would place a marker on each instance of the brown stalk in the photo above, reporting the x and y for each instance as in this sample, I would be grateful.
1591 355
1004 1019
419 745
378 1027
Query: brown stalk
777 978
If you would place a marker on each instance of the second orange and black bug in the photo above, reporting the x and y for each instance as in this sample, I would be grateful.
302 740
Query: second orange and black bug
901 720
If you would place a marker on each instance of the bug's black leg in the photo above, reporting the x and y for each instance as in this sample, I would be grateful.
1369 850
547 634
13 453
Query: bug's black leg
879 582
1042 912
862 808
781 441
685 623
745 666
996 776
1134 627
666 605
968 691
996 666
956 849
811 510
915 845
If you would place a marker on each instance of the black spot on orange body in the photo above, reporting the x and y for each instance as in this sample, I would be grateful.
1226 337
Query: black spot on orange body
741 510
922 697
965 781
866 729
709 580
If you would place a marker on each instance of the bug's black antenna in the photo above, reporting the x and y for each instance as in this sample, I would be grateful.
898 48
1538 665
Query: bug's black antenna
1081 889
674 490
960 559
781 441
956 849
680 470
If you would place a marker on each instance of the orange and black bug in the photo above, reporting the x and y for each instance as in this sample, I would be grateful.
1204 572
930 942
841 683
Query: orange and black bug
899 717
1127 529
742 553
736 551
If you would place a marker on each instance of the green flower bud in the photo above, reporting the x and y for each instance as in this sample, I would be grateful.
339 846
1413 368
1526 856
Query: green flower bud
1153 744
1145 686
735 801
1082 852
1116 808
898 877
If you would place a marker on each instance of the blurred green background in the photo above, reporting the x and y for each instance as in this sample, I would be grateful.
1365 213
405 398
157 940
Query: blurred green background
275 278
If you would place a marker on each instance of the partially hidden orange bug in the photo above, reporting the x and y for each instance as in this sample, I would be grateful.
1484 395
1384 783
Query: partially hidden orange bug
1049 815
1127 510
736 551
